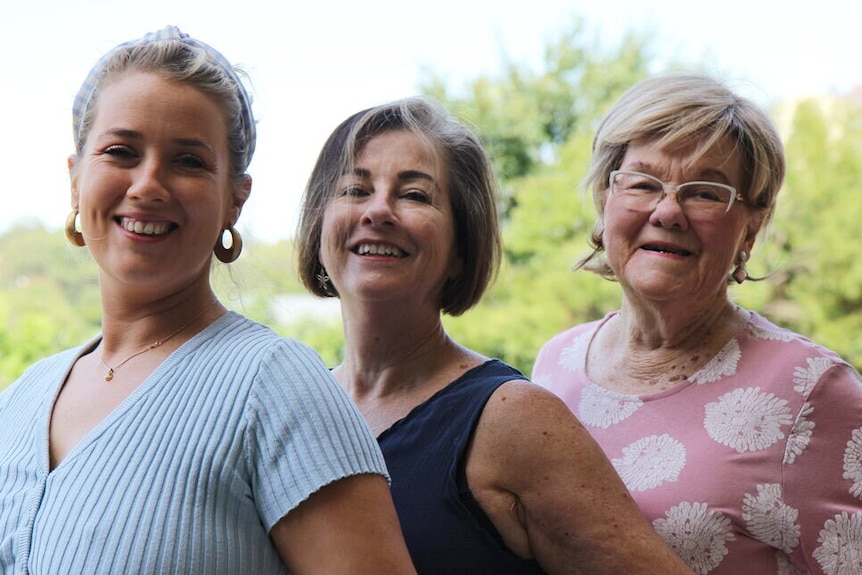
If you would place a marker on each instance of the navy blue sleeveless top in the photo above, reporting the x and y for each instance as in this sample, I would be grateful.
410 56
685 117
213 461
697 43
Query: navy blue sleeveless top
445 529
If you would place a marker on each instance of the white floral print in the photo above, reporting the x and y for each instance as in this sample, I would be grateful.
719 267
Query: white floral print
697 535
546 380
734 496
840 550
769 519
602 408
800 435
769 334
573 356
650 462
804 378
746 419
853 462
723 364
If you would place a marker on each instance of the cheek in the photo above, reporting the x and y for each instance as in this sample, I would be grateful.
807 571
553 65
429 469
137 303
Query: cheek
618 224
332 234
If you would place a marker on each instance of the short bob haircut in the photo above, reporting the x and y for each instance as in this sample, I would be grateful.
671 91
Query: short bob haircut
472 190
691 112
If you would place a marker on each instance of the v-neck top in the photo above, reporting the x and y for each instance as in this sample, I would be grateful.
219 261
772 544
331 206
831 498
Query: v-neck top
189 473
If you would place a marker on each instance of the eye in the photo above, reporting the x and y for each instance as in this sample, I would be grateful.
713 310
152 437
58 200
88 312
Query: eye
638 183
353 191
417 195
119 151
645 185
708 193
190 161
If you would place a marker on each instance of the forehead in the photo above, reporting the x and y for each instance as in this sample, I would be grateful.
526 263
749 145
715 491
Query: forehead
400 146
723 158
147 102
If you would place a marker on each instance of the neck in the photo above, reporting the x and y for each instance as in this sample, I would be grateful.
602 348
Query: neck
388 352
129 325
641 350
672 327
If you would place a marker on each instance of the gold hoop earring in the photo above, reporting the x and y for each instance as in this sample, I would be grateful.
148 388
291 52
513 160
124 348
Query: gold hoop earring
740 274
75 237
228 255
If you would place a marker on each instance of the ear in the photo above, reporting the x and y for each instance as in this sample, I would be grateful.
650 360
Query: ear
241 194
755 222
456 267
73 178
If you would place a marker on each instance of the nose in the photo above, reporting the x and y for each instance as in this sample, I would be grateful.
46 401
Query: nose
668 211
666 192
379 210
148 181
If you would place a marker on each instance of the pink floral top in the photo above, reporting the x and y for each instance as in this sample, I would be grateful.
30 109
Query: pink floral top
753 466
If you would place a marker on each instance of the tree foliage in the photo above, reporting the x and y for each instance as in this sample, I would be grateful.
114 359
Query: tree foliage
814 283
49 298
548 118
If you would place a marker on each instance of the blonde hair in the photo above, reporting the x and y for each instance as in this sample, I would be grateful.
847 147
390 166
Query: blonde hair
679 110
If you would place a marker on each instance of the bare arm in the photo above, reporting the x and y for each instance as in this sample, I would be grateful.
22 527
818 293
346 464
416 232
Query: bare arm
553 494
349 526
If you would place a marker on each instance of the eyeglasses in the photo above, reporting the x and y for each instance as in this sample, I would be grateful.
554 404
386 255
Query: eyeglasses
643 192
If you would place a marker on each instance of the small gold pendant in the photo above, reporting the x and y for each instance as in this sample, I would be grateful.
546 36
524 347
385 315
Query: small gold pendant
110 375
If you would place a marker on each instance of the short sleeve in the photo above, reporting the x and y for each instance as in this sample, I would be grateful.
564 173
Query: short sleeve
304 431
823 467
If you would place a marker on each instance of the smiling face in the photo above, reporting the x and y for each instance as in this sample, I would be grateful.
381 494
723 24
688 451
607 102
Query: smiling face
153 184
663 255
388 232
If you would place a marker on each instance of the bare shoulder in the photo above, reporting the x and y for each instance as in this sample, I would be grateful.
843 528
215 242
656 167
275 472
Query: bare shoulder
531 426
522 395
552 493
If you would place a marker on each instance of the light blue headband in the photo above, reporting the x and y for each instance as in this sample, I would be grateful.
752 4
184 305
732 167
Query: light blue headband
169 33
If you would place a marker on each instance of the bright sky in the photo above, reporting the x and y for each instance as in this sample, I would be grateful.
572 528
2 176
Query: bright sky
314 63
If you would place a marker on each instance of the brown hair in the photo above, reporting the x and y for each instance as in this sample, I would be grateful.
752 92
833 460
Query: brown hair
471 183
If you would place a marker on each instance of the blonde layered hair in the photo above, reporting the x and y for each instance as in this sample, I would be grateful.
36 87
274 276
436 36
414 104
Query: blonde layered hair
693 112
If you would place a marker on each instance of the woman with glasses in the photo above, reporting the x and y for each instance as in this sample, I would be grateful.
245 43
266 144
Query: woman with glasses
741 441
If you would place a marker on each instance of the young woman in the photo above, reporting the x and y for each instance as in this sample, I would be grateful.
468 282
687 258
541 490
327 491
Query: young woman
185 438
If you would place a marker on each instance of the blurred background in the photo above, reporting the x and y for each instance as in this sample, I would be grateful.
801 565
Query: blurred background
532 78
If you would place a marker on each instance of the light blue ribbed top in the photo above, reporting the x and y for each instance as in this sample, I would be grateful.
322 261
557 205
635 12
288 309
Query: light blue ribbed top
232 431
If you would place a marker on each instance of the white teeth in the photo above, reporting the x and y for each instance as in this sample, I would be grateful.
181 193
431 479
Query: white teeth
145 228
379 250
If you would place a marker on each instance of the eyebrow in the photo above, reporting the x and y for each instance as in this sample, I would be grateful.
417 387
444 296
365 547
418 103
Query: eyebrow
135 135
405 176
122 133
707 173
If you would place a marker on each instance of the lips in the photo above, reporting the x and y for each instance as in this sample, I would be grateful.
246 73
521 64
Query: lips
664 249
146 228
386 250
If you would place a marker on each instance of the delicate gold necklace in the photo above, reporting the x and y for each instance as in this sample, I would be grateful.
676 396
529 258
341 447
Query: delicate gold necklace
109 373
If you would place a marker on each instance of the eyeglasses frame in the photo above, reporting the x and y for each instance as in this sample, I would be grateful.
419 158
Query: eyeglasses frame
735 195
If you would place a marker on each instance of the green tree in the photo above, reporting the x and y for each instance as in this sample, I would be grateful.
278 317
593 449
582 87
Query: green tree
538 127
524 116
48 297
814 283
